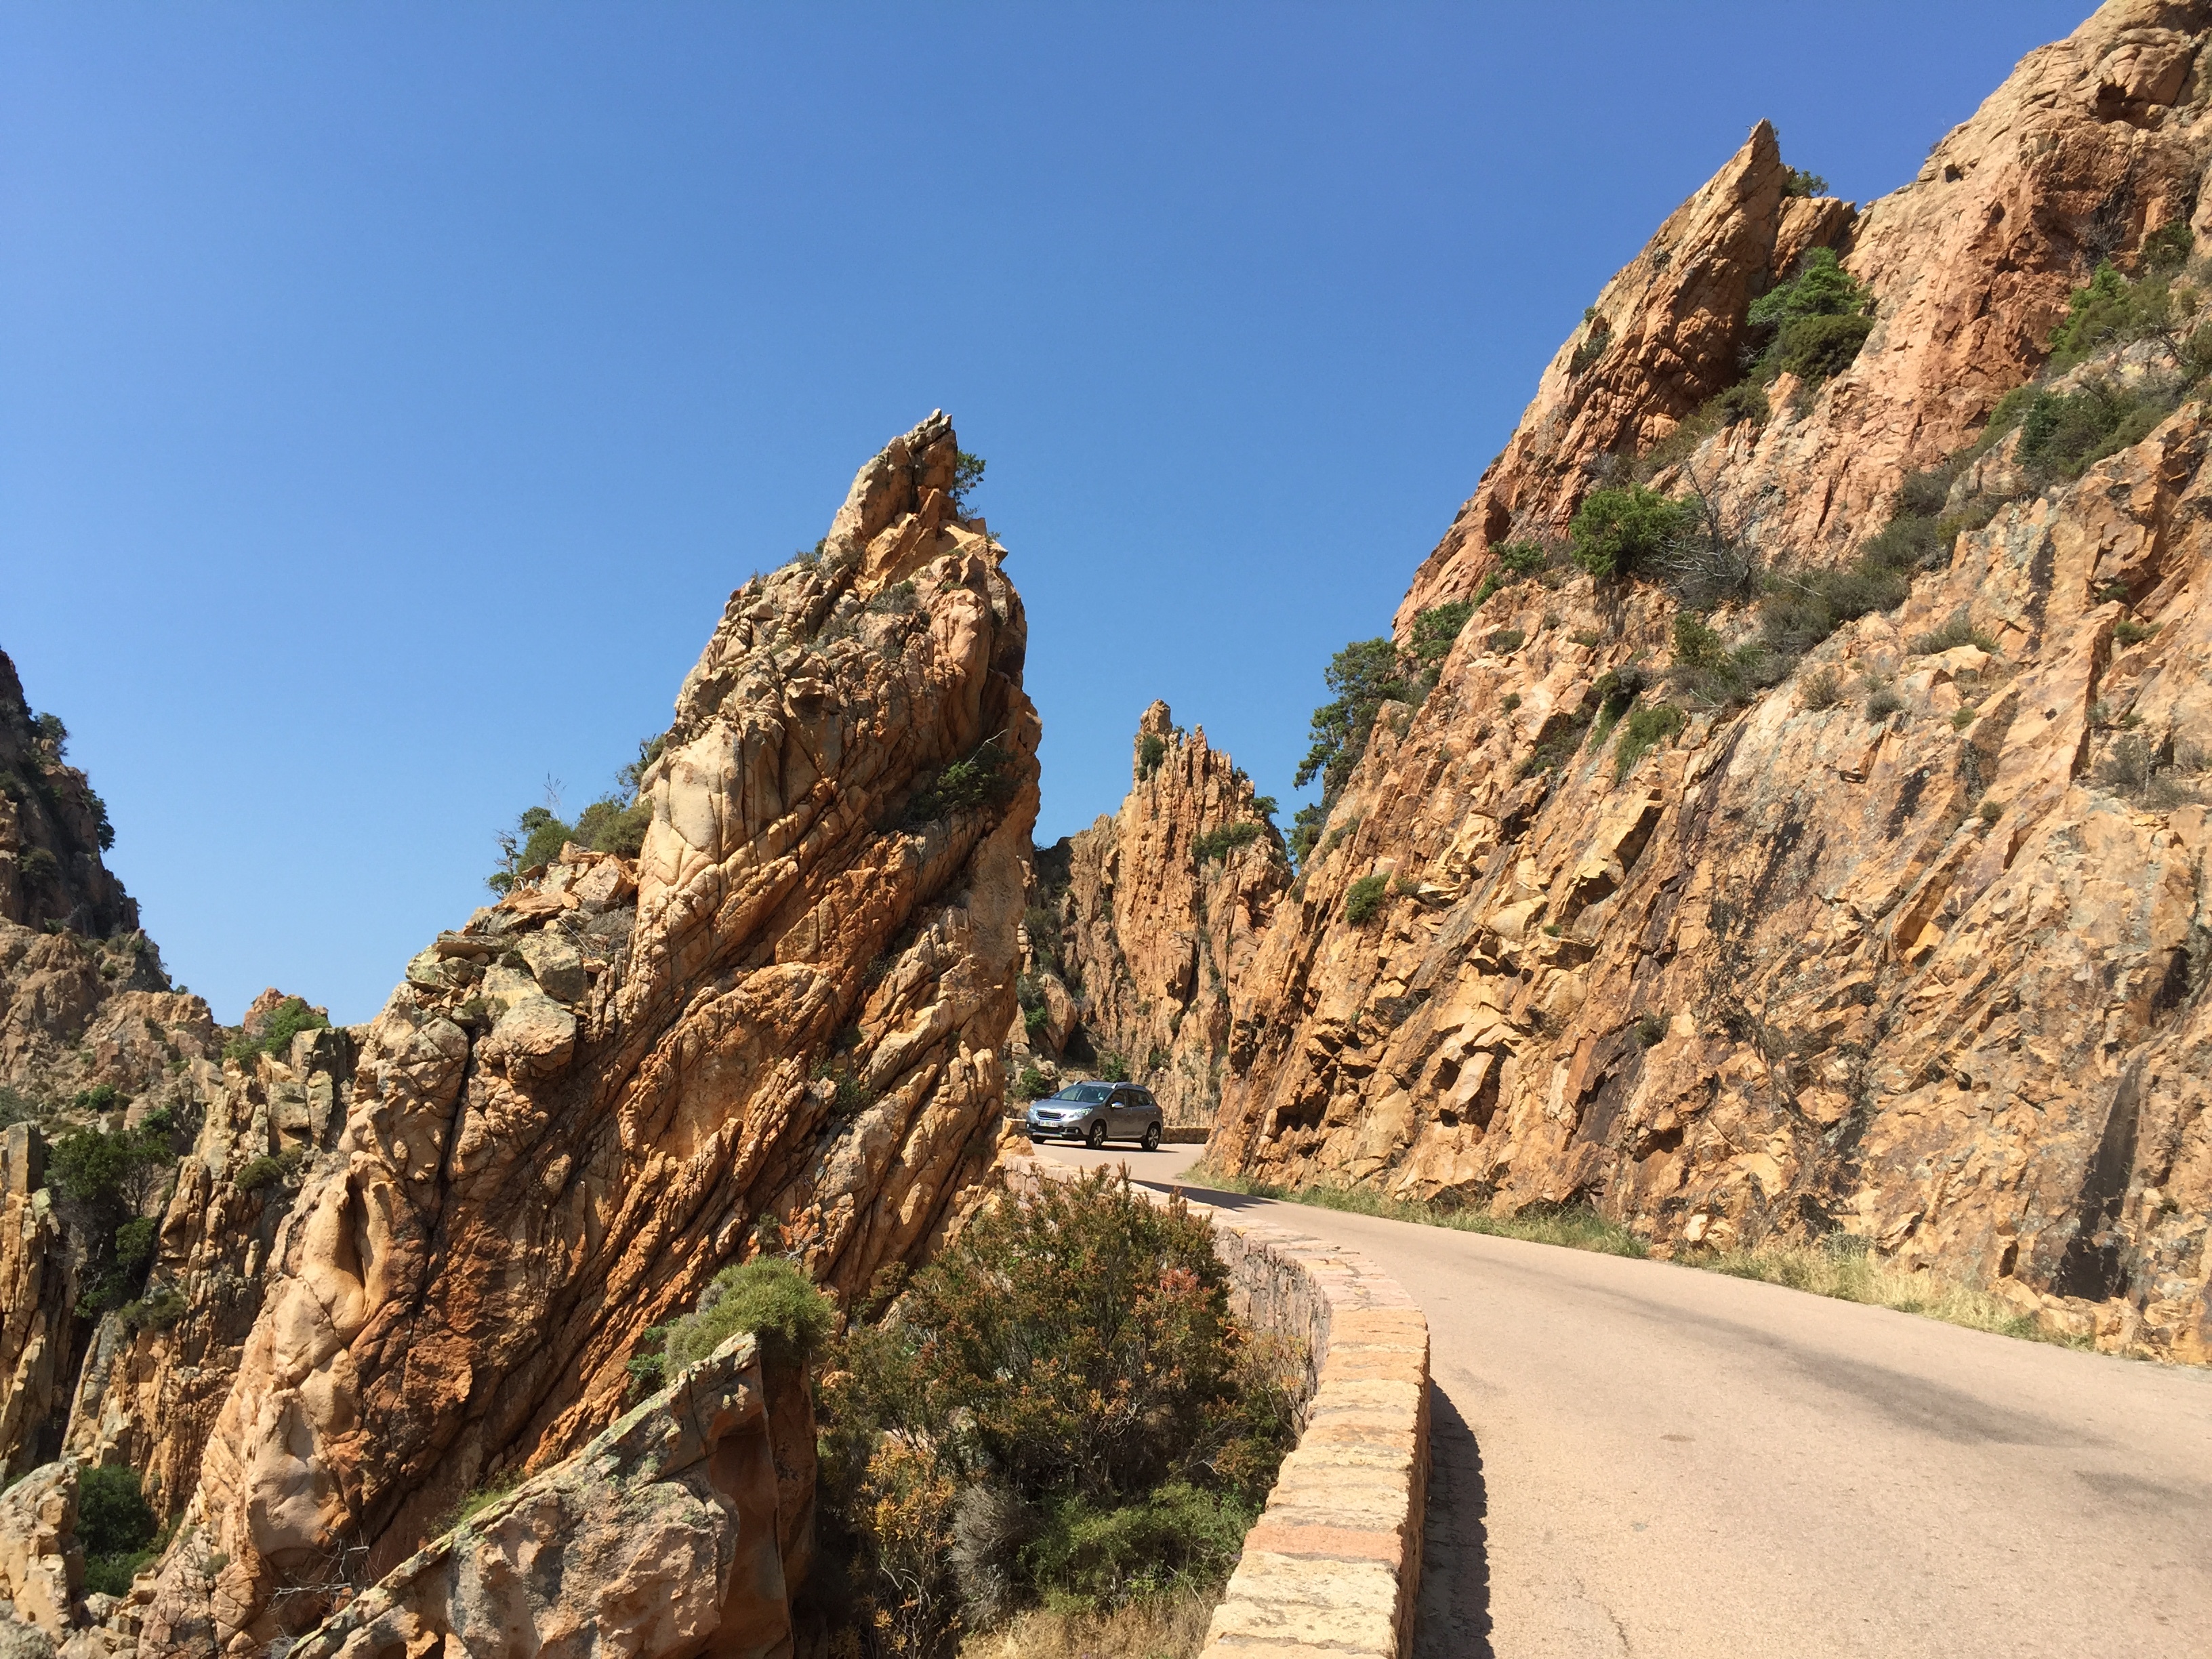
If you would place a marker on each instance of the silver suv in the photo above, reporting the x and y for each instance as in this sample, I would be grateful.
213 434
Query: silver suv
1095 1113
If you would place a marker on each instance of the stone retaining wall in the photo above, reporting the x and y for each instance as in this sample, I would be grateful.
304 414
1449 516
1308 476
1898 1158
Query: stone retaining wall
1334 1564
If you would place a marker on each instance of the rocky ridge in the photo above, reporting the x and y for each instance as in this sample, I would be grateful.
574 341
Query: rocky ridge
1910 947
574 1109
1155 913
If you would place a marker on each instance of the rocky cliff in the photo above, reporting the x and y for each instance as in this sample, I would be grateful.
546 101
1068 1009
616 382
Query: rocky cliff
1152 913
1906 939
575 1108
91 1032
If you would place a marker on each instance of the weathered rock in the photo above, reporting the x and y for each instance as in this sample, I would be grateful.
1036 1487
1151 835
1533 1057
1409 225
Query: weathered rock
42 1568
1155 926
38 1306
149 1387
1934 979
794 1002
2092 142
682 1530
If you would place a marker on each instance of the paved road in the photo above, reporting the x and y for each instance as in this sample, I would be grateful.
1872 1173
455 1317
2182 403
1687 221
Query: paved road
1639 1459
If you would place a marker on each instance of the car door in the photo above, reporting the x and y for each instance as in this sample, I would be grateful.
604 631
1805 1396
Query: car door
1119 1110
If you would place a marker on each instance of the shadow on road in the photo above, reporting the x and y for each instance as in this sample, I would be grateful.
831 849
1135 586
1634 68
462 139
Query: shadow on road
1454 1621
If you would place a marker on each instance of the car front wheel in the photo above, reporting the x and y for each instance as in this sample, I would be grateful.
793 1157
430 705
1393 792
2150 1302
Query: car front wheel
1095 1137
1152 1140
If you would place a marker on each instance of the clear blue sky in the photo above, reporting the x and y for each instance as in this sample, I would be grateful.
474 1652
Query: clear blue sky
391 394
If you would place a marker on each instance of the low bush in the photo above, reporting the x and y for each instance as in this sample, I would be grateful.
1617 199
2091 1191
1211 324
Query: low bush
1150 753
1435 629
1597 335
1650 1030
967 477
1814 323
1059 1409
115 1526
1614 531
986 777
1364 898
2134 770
2062 434
1220 842
1881 704
1112 1068
1713 675
768 1297
1958 630
1801 183
1031 1085
1647 726
2132 632
1504 641
1522 558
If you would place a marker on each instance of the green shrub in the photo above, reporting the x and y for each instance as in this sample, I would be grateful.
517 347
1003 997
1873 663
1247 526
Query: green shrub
2110 311
2063 434
1646 727
1219 843
768 1297
2132 632
1821 690
1510 701
1364 675
258 1173
608 826
1435 629
1801 183
1614 531
1881 704
1150 753
1031 1085
1112 1068
1504 641
1597 335
967 476
115 1526
1815 323
39 866
1364 898
1522 558
1306 825
985 777
1094 1556
1958 631
632 776
156 1312
286 1021
1650 1030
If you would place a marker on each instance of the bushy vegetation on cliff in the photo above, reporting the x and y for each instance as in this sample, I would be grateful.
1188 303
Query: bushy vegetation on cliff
1059 1411
1366 676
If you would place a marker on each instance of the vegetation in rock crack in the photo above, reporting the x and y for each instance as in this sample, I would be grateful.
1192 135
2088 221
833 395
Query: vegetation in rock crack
1059 1411
1744 402
1364 899
1646 727
984 777
286 1021
115 1526
1150 753
105 1180
1597 335
1112 1068
1801 183
1220 842
1813 324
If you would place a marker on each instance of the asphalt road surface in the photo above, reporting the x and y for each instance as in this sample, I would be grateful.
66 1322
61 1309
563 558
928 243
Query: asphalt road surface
1633 1458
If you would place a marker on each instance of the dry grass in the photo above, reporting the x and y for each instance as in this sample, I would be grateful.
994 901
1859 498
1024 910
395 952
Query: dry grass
1165 1627
1841 1267
1576 1227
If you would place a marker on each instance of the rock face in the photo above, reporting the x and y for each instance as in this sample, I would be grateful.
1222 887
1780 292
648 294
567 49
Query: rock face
2091 143
87 1022
1933 977
1159 911
574 1109
42 1568
681 1530
148 1393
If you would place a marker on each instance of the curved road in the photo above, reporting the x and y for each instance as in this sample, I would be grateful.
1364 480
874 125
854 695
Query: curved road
1633 1458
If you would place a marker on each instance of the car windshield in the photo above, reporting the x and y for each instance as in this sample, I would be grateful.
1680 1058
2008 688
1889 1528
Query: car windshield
1085 1094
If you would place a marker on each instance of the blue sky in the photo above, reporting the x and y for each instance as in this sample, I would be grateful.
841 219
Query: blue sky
390 395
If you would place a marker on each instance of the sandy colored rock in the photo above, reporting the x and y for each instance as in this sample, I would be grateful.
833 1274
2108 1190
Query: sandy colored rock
670 1533
1150 932
42 1568
1934 981
794 1001
2092 142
